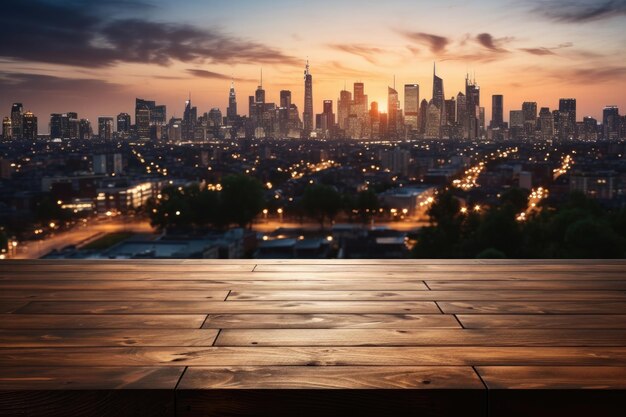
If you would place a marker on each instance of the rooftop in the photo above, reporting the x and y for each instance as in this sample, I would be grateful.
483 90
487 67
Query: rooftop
312 338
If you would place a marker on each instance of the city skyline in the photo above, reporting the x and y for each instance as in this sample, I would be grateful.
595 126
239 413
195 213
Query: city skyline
561 50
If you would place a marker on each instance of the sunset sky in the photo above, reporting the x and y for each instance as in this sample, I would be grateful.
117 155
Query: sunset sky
95 57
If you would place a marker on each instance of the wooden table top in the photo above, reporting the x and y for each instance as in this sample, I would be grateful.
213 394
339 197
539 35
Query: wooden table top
313 337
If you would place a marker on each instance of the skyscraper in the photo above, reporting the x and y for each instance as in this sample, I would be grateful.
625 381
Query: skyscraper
327 118
190 117
231 111
105 127
461 114
84 129
589 129
546 123
450 107
530 117
6 128
143 109
423 116
123 123
214 117
497 111
283 111
343 107
411 106
438 97
56 126
64 125
29 126
472 97
307 116
393 110
610 122
568 105
158 115
433 121
16 120
375 127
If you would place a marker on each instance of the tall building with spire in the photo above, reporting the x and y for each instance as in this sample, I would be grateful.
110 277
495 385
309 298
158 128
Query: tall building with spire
190 117
472 97
438 97
231 111
393 112
308 101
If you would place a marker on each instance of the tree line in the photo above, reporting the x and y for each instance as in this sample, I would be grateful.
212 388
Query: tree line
241 200
575 228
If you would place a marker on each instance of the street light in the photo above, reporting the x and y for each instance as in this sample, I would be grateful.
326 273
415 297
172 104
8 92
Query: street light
280 213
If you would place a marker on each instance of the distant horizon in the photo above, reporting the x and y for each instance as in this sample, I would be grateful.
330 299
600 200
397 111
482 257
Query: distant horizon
94 58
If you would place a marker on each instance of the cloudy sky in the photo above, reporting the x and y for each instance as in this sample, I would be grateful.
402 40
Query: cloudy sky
96 56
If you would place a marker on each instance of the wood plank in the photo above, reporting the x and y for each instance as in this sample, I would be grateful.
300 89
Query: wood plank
10 306
330 377
546 285
106 337
509 261
234 307
113 266
363 274
547 391
424 295
421 337
118 321
86 392
216 284
99 295
312 356
542 321
553 377
521 266
328 321
532 307
58 378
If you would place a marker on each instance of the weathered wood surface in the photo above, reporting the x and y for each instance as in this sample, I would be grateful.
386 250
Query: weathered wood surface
313 337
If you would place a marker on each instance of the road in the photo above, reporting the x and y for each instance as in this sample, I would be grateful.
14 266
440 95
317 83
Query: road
270 225
78 235
85 233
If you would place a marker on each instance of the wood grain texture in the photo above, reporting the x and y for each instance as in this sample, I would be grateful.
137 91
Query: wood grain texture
542 321
107 337
419 337
329 321
234 307
313 356
89 378
313 337
528 285
345 377
98 295
513 267
532 307
215 284
426 295
102 321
